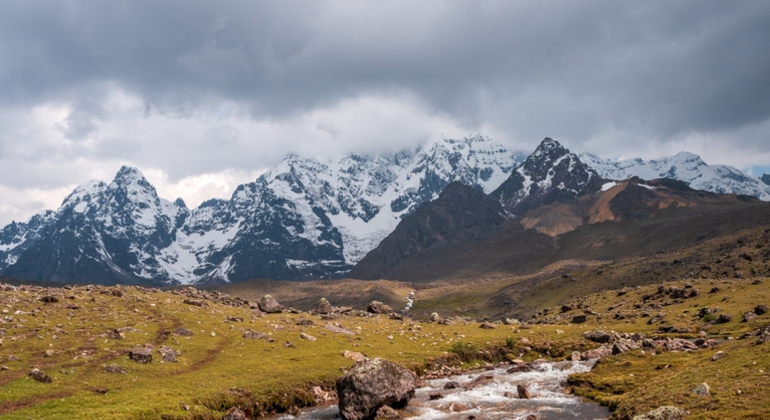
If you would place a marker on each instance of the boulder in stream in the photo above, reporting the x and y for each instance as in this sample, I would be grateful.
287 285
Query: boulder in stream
372 384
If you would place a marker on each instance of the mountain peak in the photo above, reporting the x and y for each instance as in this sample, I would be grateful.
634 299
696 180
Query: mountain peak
551 173
129 175
549 147
765 178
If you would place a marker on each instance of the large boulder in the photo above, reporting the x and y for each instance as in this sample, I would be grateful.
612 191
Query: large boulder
372 384
597 336
377 307
269 305
324 307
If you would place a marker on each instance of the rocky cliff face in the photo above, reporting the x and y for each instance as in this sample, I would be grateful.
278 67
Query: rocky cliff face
460 213
551 173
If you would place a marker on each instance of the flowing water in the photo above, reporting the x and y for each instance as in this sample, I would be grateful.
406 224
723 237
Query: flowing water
409 302
495 399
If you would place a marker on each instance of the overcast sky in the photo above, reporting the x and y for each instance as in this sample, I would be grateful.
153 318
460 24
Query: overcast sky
203 95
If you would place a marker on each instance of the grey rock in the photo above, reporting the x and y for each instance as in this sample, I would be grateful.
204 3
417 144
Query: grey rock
234 413
167 354
140 354
597 336
702 390
667 412
113 368
377 307
183 331
39 376
371 384
748 316
324 307
269 305
523 391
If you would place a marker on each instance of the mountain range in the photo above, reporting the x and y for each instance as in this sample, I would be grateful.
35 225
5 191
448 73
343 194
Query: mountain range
308 218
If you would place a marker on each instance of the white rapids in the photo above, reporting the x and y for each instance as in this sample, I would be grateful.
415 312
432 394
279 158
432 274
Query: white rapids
496 399
409 302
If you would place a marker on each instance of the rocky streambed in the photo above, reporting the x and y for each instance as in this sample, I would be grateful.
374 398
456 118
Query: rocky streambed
499 393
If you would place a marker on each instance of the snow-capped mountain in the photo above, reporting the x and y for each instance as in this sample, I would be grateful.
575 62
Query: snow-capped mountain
305 218
683 166
551 173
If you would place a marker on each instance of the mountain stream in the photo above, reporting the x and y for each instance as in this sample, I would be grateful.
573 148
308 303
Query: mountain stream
495 399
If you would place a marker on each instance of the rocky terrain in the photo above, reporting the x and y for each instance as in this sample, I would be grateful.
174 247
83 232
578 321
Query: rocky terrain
134 352
311 219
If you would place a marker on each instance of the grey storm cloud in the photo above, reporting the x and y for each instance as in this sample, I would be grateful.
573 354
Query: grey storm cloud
234 85
661 66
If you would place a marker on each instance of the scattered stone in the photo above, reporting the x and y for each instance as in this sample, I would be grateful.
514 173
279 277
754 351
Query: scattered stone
597 336
234 413
575 356
702 390
167 354
523 391
479 381
101 391
116 334
398 317
597 353
718 355
668 412
764 337
579 319
195 302
305 322
388 413
48 353
269 305
183 331
288 344
436 396
113 368
435 317
748 316
39 376
377 307
512 321
256 335
372 384
488 325
655 319
760 309
49 299
358 357
141 354
451 385
724 318
13 358
307 337
338 329
324 307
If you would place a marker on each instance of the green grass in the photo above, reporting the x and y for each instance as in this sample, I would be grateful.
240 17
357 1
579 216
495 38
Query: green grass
212 373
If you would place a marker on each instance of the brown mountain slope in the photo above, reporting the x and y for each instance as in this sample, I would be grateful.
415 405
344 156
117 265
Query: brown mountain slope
460 214
633 218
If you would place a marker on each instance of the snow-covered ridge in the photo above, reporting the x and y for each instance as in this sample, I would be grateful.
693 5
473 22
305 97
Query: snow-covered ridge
683 166
305 217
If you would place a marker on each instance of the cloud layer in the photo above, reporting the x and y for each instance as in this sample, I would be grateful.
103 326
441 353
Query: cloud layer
202 96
